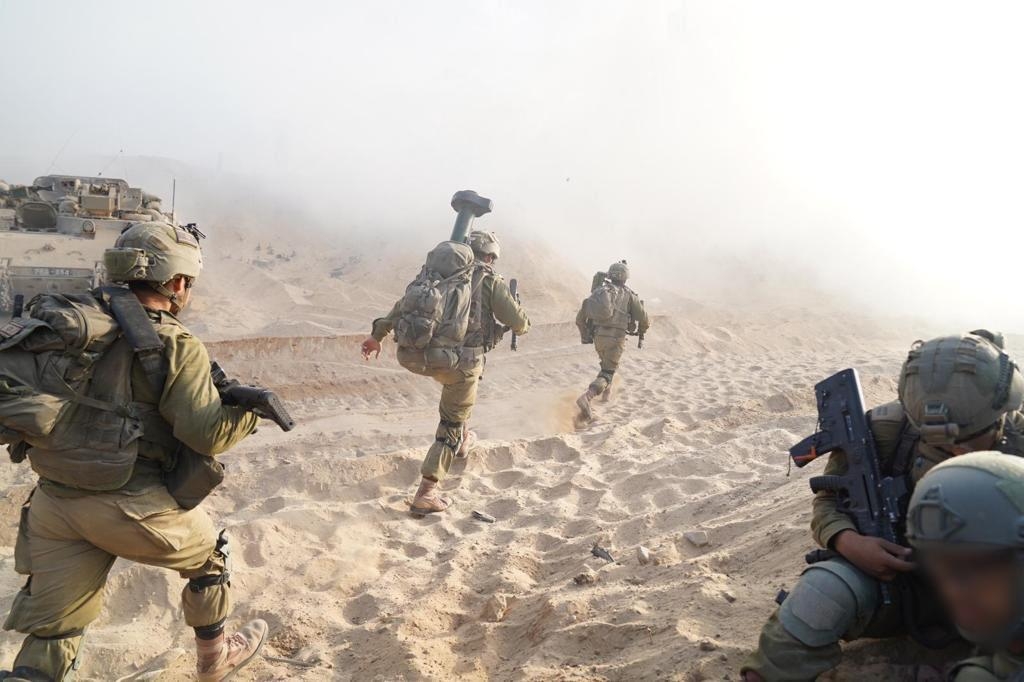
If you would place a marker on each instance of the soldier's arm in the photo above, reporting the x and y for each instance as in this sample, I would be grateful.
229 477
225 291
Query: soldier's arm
506 309
383 326
191 404
638 313
581 319
826 520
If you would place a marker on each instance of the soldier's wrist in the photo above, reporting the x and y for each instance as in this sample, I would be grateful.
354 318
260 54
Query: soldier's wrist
838 542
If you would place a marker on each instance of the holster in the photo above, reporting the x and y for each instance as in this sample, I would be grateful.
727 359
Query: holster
192 477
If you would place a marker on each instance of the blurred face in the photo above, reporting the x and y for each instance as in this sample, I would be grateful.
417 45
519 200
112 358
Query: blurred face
979 588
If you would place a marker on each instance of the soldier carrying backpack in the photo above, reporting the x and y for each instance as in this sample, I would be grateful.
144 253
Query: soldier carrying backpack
111 401
612 312
456 310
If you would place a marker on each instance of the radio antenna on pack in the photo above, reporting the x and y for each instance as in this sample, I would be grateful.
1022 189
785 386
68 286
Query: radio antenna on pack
174 196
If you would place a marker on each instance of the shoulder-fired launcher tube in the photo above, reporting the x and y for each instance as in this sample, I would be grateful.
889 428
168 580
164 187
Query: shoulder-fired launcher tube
468 204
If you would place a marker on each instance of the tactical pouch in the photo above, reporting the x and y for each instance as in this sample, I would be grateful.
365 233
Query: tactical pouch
22 562
193 477
425 362
467 359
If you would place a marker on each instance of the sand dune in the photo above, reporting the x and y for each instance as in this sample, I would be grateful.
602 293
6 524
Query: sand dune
355 589
692 440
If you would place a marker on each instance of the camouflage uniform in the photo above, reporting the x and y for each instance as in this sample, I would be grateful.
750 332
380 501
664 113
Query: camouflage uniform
621 313
459 384
834 600
610 342
69 538
803 655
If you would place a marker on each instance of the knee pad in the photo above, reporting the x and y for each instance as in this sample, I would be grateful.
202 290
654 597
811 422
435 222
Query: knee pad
207 581
449 434
222 551
832 601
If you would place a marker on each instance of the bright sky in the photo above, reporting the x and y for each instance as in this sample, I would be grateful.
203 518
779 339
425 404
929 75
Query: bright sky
874 148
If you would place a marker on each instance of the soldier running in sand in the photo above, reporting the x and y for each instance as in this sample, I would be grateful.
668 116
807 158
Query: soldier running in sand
612 312
452 314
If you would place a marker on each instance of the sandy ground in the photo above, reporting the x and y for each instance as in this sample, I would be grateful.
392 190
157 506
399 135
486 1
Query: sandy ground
693 439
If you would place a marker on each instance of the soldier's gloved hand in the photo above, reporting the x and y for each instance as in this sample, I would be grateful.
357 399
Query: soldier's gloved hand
371 346
877 557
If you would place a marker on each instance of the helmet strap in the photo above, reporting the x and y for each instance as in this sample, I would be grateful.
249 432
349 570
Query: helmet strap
168 294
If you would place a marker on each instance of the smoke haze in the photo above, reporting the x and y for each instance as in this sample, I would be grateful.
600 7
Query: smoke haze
730 150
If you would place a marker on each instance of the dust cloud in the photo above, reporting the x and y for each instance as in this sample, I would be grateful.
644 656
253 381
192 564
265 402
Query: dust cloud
730 150
799 187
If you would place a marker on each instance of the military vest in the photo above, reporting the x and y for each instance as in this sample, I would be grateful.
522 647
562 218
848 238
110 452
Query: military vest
483 330
66 390
902 453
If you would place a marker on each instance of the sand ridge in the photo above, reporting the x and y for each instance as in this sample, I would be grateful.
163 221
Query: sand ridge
694 438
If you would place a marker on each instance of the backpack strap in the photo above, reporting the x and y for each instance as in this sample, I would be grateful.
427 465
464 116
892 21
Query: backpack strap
139 332
476 309
909 438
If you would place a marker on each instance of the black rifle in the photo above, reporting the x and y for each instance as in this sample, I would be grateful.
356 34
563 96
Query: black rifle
640 340
871 501
874 503
262 402
513 288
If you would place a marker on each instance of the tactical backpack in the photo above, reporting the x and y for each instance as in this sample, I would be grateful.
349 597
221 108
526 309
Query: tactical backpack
435 311
65 392
608 306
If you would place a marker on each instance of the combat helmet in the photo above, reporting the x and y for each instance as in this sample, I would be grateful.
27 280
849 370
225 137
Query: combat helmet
974 502
155 253
619 272
955 388
484 244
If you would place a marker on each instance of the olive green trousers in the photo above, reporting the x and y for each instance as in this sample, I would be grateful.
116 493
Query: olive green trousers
67 547
458 396
609 351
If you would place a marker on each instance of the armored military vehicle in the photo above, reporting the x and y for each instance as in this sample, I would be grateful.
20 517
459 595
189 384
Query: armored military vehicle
54 231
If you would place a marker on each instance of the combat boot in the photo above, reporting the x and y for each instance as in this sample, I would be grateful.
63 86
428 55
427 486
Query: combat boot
427 501
221 657
583 402
468 443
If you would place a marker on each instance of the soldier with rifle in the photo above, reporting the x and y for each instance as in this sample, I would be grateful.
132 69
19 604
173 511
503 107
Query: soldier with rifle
125 456
957 394
608 315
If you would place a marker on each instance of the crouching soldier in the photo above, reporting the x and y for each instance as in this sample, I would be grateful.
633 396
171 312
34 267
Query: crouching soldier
124 451
957 394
